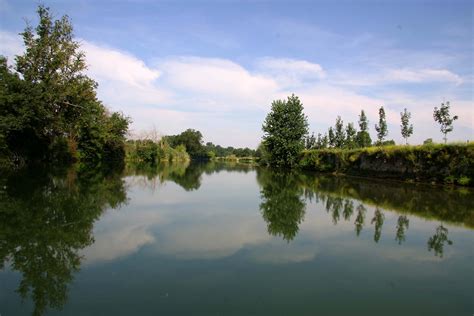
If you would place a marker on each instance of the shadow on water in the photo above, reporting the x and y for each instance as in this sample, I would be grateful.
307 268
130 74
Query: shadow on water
46 218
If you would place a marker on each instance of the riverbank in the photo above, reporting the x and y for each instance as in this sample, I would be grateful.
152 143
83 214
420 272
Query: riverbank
433 163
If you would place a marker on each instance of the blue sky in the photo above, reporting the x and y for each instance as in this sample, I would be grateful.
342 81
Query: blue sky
217 65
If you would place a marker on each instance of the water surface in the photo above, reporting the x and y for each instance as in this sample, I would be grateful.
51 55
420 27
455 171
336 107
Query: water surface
230 239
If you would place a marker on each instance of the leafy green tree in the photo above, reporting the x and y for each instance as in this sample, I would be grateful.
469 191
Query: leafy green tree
192 139
339 135
363 137
443 117
310 142
285 128
322 141
351 133
407 128
381 128
49 108
331 137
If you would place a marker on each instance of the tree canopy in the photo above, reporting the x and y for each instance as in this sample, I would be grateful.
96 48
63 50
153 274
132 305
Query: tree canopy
285 128
49 109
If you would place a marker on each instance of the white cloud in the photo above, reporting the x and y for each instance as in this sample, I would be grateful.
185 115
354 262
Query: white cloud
291 72
217 78
228 102
11 45
113 65
423 75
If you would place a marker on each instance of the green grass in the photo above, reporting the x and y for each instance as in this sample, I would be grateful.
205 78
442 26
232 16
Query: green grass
438 163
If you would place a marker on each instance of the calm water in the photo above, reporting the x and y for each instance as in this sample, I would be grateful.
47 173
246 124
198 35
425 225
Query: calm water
222 239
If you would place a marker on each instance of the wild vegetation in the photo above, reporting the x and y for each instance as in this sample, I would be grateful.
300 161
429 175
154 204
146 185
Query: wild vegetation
447 164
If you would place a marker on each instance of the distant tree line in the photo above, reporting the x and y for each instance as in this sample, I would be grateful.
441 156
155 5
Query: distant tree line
184 146
49 109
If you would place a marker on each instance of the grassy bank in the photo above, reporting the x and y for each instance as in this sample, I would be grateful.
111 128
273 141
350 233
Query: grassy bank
434 163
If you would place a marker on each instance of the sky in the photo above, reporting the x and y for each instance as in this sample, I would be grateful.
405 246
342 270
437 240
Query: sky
216 66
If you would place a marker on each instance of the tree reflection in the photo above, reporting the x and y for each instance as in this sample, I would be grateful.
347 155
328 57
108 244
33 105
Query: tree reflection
402 226
45 220
378 219
187 175
283 205
360 219
348 209
438 240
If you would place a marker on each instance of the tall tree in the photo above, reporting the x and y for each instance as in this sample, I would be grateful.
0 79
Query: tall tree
363 137
407 128
285 128
331 137
339 136
351 132
381 128
443 117
310 142
56 112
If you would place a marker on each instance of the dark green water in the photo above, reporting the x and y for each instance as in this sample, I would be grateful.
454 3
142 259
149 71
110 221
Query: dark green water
221 239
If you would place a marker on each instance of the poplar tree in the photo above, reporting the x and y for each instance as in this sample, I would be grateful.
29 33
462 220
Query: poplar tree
407 128
443 117
339 135
363 137
381 128
351 132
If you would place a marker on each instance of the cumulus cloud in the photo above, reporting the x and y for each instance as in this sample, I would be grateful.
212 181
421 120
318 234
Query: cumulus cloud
217 78
113 65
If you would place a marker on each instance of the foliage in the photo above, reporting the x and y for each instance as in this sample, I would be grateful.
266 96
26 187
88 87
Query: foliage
428 141
331 137
220 151
443 117
407 128
381 128
363 137
192 140
350 141
49 110
310 142
149 151
285 128
339 134
451 163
